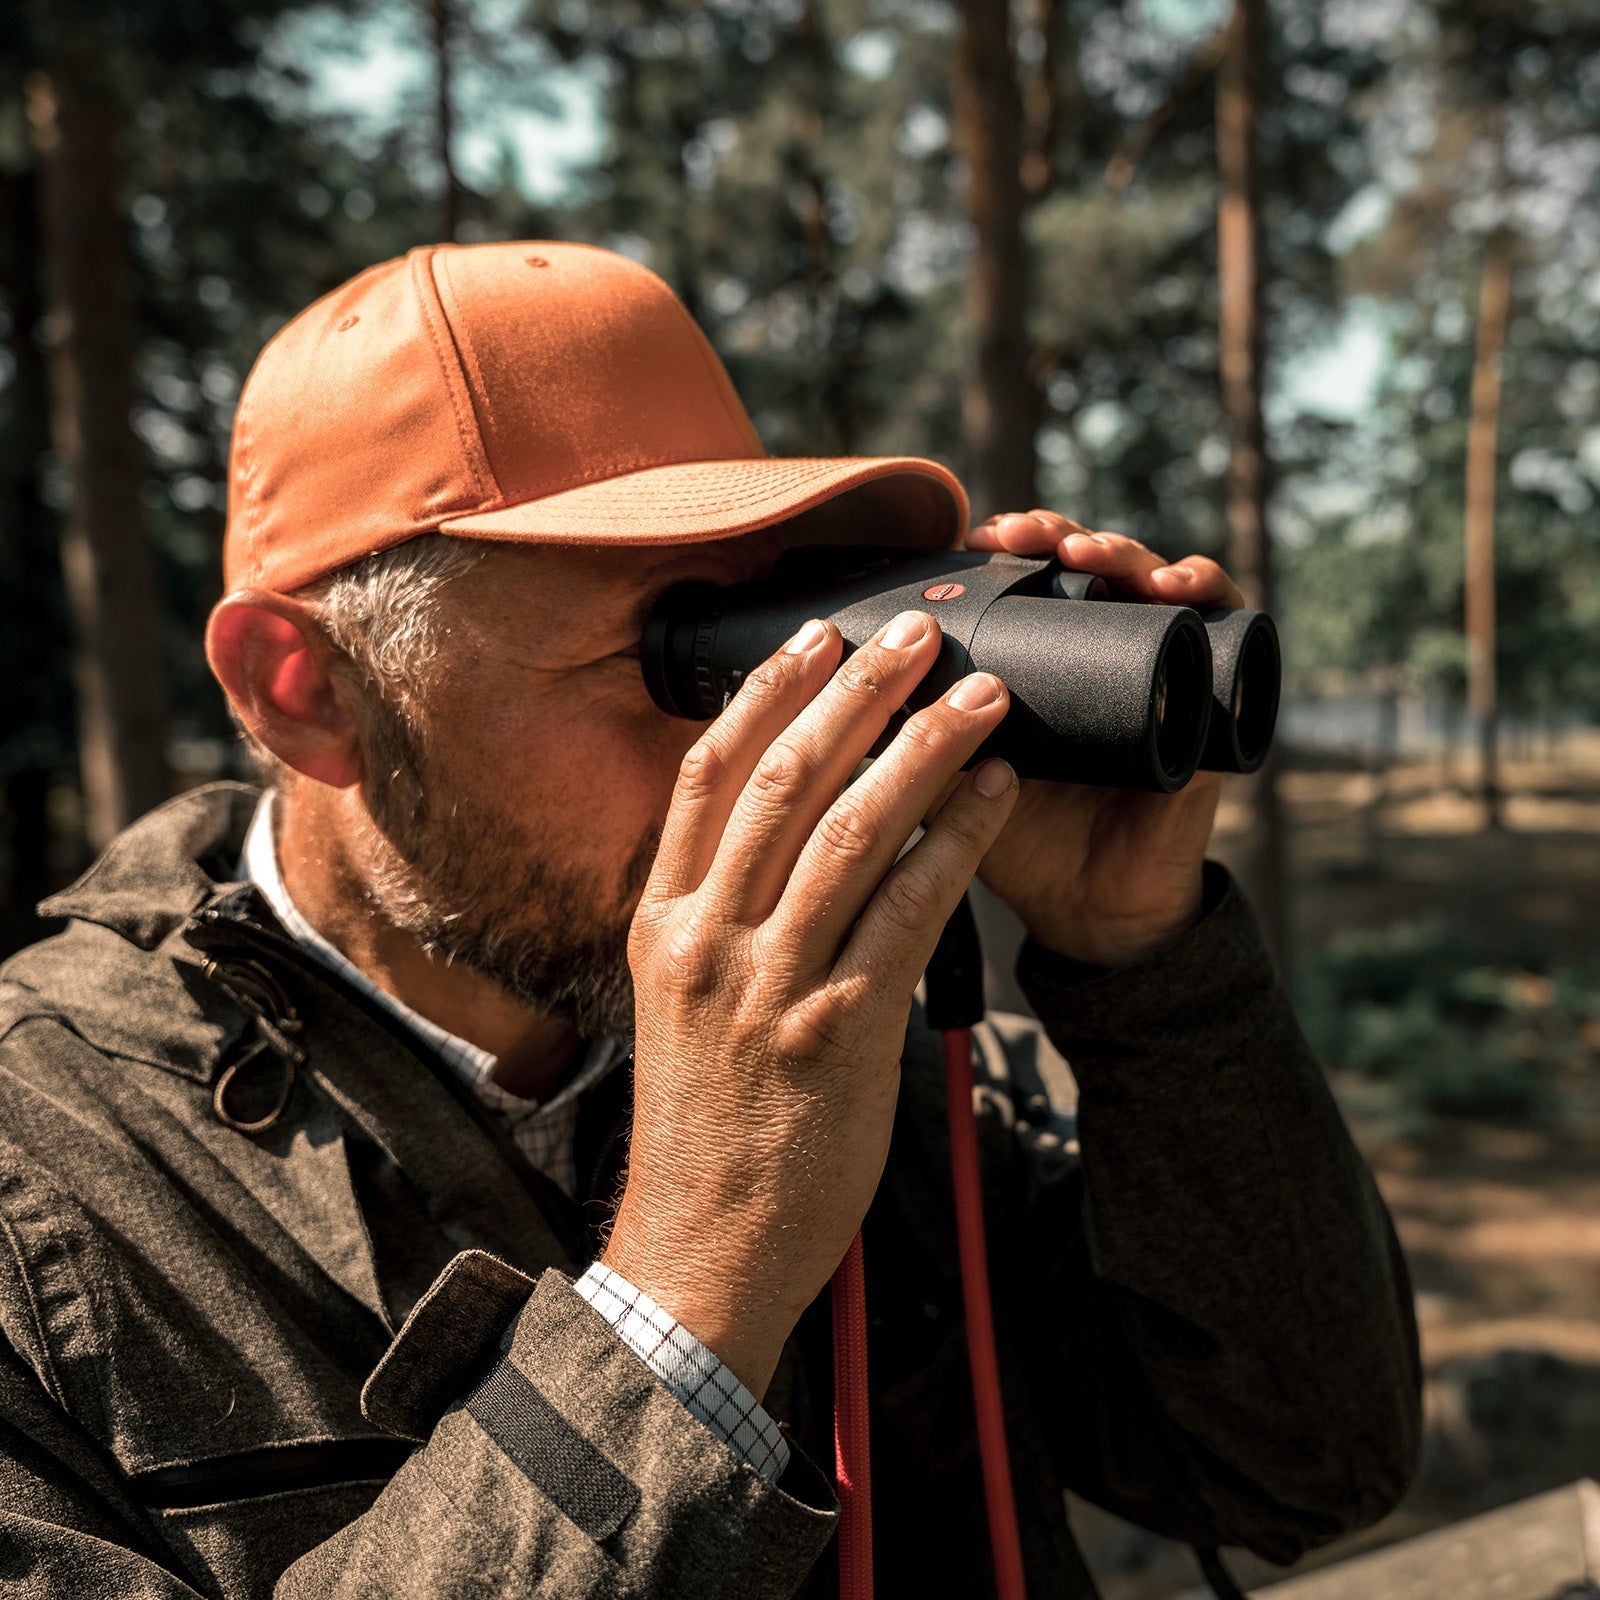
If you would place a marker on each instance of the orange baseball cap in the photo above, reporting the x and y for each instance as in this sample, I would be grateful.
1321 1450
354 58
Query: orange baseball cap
546 393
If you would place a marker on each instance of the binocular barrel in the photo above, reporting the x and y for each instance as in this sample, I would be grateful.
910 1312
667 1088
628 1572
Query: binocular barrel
1102 692
1246 678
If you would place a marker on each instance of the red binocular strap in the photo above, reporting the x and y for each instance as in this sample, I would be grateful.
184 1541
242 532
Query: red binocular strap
955 1002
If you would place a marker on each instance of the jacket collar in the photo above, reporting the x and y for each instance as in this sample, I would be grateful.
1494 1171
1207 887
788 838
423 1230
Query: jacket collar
122 974
155 874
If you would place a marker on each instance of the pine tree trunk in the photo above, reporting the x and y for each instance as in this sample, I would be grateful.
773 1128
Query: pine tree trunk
105 551
1240 339
838 360
1000 409
444 118
1494 304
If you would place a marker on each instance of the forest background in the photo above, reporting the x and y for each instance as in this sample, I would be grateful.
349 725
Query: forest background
1257 280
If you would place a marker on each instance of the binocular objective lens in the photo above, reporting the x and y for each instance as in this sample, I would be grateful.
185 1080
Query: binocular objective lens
1255 699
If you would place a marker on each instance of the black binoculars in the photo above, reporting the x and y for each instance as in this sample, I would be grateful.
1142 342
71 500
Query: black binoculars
1102 691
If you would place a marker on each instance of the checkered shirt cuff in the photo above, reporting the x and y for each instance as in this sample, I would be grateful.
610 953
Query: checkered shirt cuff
695 1376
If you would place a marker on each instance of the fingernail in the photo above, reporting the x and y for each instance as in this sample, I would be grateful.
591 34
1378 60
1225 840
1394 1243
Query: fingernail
808 638
906 629
1182 574
1093 538
975 692
992 779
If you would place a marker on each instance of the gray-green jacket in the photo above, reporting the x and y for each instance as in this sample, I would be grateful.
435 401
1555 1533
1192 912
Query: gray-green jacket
341 1355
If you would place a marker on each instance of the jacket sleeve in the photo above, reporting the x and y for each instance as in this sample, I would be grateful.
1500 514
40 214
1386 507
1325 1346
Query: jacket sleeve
567 1469
1214 1312
549 1461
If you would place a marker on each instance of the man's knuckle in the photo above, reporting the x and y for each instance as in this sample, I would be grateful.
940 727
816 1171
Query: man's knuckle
909 899
861 678
767 683
846 832
782 770
821 1025
968 825
648 917
926 734
702 770
686 959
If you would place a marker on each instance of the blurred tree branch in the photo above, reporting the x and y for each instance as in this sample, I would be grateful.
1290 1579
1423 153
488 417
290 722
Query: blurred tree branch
1138 140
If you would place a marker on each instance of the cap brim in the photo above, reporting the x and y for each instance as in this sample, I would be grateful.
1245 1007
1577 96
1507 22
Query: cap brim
914 502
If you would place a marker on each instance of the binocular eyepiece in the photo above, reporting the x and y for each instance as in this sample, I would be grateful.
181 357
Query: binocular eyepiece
1102 691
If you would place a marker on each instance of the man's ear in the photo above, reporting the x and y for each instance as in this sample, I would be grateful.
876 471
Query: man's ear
278 669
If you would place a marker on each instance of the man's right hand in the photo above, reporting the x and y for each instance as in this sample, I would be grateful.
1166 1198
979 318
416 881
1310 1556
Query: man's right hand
774 955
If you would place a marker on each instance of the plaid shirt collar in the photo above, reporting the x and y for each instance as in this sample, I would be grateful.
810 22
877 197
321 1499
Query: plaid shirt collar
543 1130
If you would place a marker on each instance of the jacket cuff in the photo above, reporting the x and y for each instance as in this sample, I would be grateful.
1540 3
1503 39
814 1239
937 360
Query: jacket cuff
694 1376
561 1451
451 1336
1129 1032
609 1453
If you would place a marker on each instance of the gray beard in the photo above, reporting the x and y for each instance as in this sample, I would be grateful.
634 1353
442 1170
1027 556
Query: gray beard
471 890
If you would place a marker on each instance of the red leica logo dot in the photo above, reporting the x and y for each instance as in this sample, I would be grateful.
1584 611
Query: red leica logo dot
944 591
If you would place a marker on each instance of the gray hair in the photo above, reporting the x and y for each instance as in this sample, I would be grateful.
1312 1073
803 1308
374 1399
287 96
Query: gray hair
382 615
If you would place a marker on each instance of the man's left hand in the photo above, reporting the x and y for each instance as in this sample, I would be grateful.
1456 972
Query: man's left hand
1105 876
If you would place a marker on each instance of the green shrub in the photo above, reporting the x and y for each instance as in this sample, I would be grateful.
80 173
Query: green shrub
1416 1006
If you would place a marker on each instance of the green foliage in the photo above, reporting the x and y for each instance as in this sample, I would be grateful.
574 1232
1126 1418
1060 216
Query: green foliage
1418 1007
1485 117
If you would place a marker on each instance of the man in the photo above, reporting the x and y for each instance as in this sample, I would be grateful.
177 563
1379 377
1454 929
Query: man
319 1113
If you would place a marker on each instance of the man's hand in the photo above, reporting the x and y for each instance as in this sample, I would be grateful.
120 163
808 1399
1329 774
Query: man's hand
1105 875
774 955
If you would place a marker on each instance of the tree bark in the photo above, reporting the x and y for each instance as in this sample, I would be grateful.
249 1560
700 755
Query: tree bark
105 551
1494 303
1000 409
835 411
1241 342
444 123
